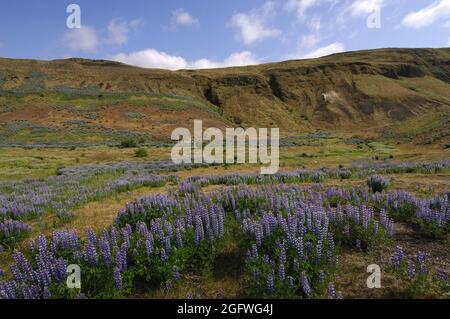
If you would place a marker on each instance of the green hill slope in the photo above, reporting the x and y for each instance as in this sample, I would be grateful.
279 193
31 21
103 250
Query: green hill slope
400 93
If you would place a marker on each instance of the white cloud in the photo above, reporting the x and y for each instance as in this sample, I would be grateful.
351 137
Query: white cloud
335 47
364 7
152 58
315 24
183 18
251 26
301 6
307 49
136 24
309 41
87 39
240 59
448 43
429 15
84 39
119 29
236 59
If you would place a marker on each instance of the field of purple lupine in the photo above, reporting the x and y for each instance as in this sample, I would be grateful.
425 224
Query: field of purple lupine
288 235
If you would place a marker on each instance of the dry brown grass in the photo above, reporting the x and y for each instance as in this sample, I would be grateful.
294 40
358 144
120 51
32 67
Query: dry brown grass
102 157
100 215
352 276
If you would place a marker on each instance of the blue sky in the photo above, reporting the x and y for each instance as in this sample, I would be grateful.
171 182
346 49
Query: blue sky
203 33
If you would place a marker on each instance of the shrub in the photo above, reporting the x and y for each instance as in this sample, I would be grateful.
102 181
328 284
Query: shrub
12 231
377 183
401 206
433 216
345 174
142 152
128 144
317 177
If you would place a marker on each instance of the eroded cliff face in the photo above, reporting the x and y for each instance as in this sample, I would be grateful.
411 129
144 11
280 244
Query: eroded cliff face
346 90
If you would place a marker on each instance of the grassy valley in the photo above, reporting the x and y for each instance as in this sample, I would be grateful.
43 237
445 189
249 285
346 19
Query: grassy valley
86 178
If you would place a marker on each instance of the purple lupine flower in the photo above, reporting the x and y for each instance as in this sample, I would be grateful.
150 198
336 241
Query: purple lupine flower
282 272
13 228
332 293
270 284
114 239
411 270
397 257
121 258
8 290
46 293
258 234
22 269
27 293
179 238
319 252
299 248
305 284
386 222
105 251
167 244
118 278
199 232
331 247
272 264
283 258
91 237
254 251
441 275
358 244
422 260
163 255
149 244
169 285
90 254
126 234
142 228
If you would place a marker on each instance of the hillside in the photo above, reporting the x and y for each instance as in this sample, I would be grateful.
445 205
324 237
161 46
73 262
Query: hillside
394 93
